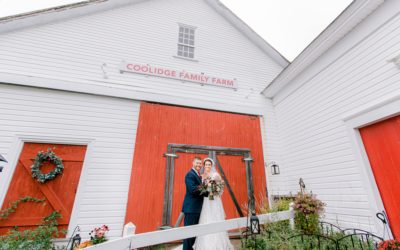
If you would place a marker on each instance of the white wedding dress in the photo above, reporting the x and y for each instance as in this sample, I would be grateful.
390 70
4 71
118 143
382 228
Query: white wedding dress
213 211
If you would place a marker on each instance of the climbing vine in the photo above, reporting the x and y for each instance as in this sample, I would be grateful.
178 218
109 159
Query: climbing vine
13 206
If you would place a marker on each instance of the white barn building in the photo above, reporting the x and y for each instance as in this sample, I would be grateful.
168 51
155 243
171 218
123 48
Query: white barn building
114 78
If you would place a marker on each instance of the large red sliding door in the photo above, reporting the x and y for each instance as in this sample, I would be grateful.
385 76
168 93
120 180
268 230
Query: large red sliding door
382 143
160 125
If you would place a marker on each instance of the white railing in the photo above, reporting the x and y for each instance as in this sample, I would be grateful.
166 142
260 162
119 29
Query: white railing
164 236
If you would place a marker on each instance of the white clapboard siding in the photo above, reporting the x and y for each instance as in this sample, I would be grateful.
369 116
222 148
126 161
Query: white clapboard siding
313 136
110 123
276 185
147 33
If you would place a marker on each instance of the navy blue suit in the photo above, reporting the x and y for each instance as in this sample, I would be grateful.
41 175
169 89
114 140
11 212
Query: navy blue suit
192 204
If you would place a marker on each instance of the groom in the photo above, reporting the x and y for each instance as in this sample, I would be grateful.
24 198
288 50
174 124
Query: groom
193 201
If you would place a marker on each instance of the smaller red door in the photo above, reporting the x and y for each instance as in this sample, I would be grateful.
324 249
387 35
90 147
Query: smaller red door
59 193
382 144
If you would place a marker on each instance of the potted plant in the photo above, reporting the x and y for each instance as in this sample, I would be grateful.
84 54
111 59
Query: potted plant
97 236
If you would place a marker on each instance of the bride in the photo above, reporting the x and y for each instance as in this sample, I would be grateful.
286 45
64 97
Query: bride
212 211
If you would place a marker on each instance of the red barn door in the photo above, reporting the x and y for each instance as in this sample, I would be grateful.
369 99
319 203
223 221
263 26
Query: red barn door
382 143
160 125
59 193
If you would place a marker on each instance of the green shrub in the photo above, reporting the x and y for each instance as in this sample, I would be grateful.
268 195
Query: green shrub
37 239
307 223
307 212
279 205
278 236
306 234
256 243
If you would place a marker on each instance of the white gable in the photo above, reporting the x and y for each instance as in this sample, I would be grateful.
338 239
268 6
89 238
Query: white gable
83 54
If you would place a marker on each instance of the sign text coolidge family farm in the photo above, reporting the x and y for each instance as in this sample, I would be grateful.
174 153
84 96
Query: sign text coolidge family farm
181 75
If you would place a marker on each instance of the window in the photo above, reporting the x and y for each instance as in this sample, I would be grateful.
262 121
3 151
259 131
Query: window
186 41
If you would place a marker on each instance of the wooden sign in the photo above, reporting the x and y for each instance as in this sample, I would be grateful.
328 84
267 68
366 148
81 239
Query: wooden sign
182 75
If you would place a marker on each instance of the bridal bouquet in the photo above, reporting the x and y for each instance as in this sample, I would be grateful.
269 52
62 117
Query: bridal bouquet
213 187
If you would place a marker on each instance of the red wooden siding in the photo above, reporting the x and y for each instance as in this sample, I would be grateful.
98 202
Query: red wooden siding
160 125
59 192
382 143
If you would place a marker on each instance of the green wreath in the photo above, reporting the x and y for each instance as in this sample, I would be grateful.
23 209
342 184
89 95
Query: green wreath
51 157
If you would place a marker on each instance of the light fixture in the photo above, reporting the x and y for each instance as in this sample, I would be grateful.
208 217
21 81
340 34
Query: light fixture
2 159
254 224
76 241
274 168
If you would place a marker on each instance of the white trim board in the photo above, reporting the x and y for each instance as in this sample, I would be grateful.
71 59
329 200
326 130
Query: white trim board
125 92
16 150
380 110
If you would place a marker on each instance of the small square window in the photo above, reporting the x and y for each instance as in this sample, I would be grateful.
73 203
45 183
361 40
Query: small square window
186 41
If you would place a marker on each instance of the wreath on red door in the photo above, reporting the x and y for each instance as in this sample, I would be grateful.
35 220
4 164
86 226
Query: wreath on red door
40 158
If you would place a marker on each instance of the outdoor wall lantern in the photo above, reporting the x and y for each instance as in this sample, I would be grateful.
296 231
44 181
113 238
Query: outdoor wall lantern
254 224
274 168
76 241
2 159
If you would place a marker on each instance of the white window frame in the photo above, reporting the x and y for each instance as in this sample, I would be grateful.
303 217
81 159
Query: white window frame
190 44
380 110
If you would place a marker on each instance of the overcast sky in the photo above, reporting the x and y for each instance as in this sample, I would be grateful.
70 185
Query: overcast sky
288 25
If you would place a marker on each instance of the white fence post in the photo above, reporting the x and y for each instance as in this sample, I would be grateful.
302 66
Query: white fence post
129 229
291 220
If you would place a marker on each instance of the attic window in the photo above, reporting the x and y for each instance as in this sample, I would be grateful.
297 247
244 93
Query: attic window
186 41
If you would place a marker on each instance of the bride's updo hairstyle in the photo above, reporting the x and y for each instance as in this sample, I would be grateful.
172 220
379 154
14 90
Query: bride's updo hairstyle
209 160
